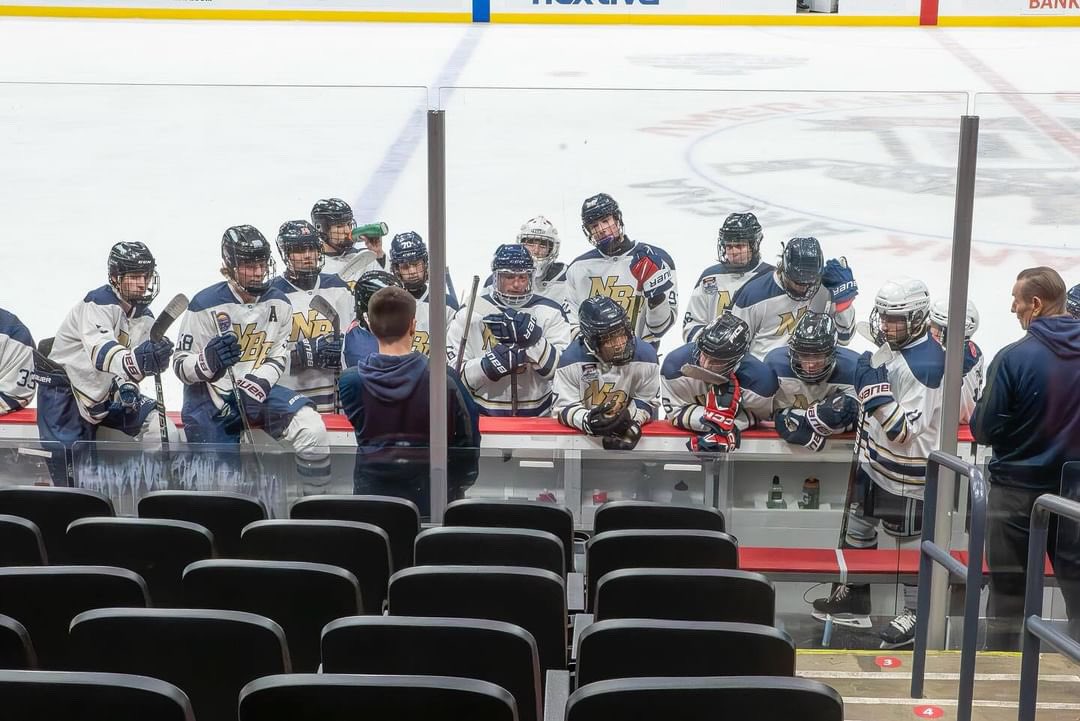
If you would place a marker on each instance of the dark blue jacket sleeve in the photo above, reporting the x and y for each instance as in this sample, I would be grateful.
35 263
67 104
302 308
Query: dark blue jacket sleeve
352 399
464 441
991 418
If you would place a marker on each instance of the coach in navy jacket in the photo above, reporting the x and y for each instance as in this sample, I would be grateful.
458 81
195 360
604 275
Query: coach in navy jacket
1030 414
385 397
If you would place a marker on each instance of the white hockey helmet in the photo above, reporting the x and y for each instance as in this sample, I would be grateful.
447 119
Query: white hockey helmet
905 298
540 229
939 316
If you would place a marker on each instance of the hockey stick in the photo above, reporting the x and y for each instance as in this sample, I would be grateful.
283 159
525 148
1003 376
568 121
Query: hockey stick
322 306
168 316
361 259
468 320
223 323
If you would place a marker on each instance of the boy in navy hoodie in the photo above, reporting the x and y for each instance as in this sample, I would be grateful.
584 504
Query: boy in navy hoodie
385 397
1028 414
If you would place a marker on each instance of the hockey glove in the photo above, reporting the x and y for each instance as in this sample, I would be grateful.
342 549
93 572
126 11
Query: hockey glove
252 394
149 357
653 276
872 384
514 327
720 411
502 360
837 277
627 441
714 442
219 353
610 418
833 414
793 426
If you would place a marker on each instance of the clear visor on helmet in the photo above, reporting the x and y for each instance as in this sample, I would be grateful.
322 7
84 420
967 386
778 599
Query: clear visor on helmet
616 347
512 288
812 367
138 288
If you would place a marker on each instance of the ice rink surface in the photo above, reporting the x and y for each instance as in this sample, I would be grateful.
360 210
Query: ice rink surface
169 132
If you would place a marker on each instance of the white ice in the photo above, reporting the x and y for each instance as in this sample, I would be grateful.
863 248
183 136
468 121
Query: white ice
168 132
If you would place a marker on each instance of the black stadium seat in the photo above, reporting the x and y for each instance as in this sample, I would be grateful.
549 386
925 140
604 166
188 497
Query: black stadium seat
705 699
79 696
397 516
494 651
360 548
223 514
557 520
53 509
686 594
209 654
615 550
465 546
300 597
627 515
527 597
44 599
643 647
157 549
340 697
21 543
16 650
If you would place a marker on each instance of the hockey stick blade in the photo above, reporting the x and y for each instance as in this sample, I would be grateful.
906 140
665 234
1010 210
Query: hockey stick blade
702 374
362 259
172 311
45 346
44 364
322 306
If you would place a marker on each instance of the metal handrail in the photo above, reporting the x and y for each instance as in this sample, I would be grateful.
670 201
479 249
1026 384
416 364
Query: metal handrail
970 575
1036 628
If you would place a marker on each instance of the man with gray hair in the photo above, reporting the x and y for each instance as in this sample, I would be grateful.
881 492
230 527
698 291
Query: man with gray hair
1030 415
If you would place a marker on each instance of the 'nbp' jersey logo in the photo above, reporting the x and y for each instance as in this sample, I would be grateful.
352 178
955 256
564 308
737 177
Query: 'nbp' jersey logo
788 321
421 342
490 341
253 345
624 295
595 394
123 338
309 326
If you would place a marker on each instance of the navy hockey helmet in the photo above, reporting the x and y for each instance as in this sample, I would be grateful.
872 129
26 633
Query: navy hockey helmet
296 236
1072 301
812 347
133 259
407 249
605 330
595 209
246 259
800 268
512 261
366 286
722 344
739 229
331 213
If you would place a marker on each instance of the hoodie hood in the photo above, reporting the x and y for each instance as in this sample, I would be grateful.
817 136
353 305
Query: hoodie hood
1059 333
393 378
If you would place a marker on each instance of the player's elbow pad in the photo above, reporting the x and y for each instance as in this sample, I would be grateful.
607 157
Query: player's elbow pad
894 421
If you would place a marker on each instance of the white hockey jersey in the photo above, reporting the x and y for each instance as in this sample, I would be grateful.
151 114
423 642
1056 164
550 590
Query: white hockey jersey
712 295
552 287
582 382
422 340
684 398
334 264
893 452
316 383
772 315
263 328
794 392
94 345
594 273
16 363
534 383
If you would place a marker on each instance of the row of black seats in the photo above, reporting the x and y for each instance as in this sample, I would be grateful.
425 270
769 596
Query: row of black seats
342 697
212 654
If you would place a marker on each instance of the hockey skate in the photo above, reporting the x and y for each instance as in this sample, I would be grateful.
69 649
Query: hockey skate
847 605
900 631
